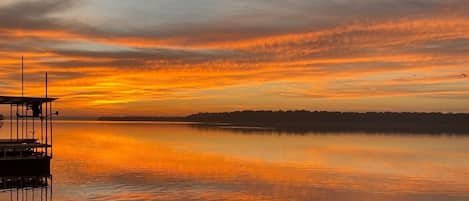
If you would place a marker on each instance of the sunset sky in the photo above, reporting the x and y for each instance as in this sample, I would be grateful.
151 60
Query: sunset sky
176 57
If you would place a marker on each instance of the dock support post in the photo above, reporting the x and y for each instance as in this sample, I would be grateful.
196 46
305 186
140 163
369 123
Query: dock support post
11 122
42 127
17 123
26 120
22 121
51 187
51 129
34 129
47 116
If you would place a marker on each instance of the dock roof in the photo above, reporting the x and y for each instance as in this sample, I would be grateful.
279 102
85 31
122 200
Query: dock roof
24 100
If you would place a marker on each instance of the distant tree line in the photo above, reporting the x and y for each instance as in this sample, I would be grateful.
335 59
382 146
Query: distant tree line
305 121
141 118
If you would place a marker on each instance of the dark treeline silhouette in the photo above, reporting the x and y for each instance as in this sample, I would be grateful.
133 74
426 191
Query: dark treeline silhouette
306 121
142 118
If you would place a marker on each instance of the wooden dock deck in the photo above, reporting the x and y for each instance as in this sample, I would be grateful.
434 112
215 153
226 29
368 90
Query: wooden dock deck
24 157
19 182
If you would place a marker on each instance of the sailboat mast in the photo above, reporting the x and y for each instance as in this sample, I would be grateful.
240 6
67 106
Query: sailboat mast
22 76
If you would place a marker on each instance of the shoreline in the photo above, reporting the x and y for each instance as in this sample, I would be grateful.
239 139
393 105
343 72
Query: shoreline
308 121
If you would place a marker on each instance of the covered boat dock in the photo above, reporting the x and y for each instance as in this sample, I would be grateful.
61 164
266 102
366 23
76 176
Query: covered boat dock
28 149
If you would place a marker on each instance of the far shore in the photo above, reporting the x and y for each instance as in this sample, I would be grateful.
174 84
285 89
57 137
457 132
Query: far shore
320 121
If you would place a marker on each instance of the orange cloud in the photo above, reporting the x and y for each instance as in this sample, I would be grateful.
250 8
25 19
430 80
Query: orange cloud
351 60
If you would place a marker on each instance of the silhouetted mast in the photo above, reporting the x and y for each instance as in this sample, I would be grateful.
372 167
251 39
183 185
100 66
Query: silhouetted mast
46 113
22 76
22 95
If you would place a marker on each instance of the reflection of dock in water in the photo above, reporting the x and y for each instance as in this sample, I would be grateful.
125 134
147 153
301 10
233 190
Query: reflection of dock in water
26 188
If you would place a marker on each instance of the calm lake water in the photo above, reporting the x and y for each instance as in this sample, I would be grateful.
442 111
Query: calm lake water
128 161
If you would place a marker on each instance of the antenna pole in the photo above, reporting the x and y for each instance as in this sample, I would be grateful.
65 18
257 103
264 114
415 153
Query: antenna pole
22 95
22 76
11 122
47 116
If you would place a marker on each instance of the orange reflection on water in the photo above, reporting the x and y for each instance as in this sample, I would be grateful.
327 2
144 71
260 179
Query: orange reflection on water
176 162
